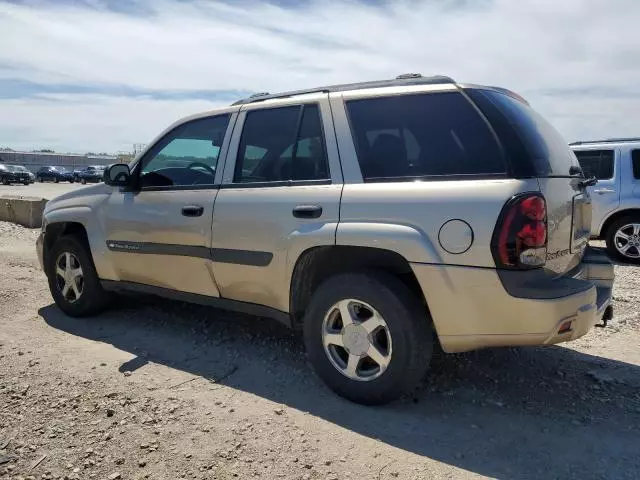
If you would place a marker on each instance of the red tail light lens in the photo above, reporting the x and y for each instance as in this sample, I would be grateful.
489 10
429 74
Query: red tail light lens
520 238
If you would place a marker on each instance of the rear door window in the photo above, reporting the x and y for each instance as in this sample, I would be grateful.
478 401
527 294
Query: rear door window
635 161
596 163
282 144
422 135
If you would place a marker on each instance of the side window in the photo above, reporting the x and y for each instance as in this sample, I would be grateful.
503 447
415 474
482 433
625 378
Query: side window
596 163
635 161
422 135
188 155
282 144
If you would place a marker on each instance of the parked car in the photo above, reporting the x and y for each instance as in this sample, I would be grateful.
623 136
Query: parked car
76 174
14 174
54 174
91 174
616 196
380 218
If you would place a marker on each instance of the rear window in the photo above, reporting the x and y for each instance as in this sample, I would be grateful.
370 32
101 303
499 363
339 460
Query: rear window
423 135
596 163
635 160
535 137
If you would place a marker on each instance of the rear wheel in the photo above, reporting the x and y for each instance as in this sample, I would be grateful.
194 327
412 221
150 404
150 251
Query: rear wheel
73 280
5 181
368 337
56 180
83 181
623 239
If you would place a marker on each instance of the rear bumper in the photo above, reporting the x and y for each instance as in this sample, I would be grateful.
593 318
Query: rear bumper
471 309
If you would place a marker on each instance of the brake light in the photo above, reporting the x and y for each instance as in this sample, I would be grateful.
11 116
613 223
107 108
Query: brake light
520 238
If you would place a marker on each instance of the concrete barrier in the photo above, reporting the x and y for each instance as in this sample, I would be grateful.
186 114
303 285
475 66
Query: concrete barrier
25 211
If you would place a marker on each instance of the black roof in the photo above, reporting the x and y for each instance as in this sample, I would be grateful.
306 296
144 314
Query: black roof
608 140
400 81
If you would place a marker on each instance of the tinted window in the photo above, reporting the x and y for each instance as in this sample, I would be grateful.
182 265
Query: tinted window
635 160
596 163
547 149
188 155
282 144
422 135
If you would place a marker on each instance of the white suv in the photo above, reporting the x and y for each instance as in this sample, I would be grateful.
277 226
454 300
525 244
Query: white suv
380 218
616 196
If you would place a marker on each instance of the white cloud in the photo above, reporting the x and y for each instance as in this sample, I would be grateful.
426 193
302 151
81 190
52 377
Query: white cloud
531 46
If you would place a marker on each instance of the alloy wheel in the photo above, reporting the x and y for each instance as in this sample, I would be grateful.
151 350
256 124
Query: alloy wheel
627 240
69 277
356 340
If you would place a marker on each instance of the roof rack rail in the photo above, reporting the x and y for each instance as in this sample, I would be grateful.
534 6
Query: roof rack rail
608 140
400 81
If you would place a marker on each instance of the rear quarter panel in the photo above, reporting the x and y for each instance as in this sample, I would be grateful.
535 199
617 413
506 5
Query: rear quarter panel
406 217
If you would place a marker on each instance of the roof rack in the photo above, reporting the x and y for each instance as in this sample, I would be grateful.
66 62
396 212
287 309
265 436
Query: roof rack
400 81
608 140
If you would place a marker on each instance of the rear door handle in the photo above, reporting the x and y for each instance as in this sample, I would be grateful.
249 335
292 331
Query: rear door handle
307 211
192 210
602 191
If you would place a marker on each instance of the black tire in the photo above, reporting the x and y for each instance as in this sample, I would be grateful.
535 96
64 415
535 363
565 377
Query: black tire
56 180
610 239
39 179
25 183
93 298
408 323
83 181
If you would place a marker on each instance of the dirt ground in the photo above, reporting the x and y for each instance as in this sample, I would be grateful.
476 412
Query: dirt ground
164 390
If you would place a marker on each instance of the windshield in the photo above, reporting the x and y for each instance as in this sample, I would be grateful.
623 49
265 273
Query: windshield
20 168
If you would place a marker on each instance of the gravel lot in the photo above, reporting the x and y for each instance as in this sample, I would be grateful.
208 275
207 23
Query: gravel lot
163 390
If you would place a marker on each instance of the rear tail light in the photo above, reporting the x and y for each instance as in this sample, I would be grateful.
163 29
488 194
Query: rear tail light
520 237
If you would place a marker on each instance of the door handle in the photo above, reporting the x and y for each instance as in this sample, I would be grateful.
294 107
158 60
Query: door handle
307 211
602 191
192 210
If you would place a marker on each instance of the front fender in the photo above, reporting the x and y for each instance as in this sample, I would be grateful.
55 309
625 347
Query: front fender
85 216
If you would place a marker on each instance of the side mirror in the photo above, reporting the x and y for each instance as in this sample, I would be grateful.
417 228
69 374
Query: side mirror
117 175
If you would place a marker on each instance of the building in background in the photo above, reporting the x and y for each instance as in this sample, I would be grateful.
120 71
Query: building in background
71 161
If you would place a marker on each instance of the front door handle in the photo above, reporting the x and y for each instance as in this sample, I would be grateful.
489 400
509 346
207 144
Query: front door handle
307 211
192 210
602 191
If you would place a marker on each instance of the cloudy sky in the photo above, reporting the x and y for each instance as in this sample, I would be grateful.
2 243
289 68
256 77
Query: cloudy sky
101 75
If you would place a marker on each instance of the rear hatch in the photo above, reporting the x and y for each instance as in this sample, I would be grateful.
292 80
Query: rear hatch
536 149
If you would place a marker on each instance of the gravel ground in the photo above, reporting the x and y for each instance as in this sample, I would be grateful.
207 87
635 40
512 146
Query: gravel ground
164 390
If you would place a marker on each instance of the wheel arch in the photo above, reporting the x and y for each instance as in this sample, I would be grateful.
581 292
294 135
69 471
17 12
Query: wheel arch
615 216
58 229
317 264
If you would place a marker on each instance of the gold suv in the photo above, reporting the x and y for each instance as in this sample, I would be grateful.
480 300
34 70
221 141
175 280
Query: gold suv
380 218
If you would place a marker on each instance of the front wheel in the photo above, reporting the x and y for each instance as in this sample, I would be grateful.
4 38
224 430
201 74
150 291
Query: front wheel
5 181
56 180
83 181
623 239
73 280
368 337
